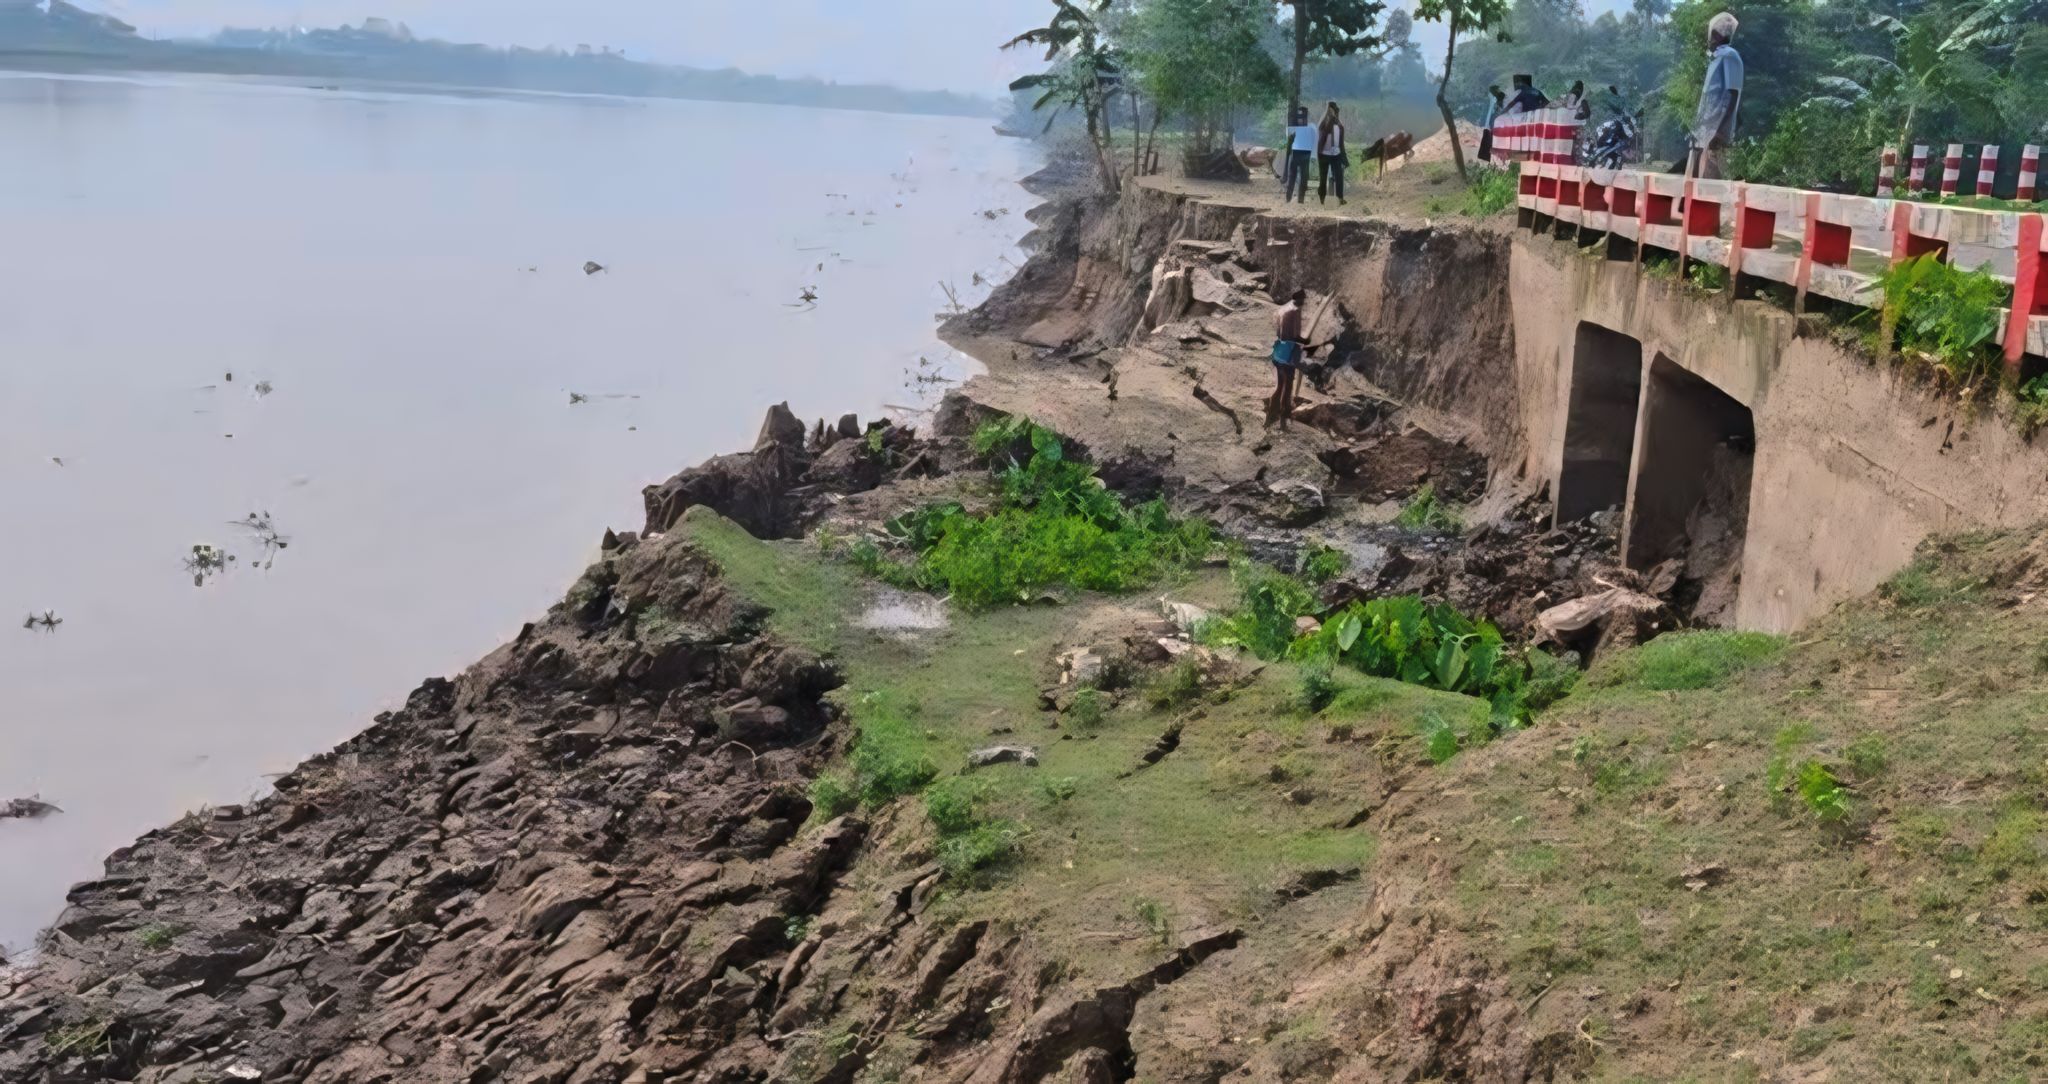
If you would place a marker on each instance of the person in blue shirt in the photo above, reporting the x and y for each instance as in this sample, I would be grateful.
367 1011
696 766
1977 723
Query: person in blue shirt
1713 126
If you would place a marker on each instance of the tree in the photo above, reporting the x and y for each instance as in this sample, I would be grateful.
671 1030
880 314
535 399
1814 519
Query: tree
1927 68
1084 73
1203 62
1459 16
1328 28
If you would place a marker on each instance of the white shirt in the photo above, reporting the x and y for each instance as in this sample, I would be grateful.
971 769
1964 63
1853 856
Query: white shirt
1304 137
1334 145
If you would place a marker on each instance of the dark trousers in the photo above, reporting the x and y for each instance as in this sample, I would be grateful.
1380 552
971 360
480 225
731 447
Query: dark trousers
1297 174
1331 168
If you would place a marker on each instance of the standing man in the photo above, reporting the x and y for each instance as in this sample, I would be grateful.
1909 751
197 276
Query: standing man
1713 127
1289 349
1301 154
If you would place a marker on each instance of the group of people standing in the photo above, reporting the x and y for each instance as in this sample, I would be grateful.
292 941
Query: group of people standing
1321 145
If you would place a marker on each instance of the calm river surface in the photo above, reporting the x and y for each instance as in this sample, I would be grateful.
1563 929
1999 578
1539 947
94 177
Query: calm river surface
395 283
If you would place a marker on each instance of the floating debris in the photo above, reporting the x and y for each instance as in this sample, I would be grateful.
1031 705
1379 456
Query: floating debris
267 535
592 267
57 459
206 562
806 300
577 397
46 621
263 388
30 808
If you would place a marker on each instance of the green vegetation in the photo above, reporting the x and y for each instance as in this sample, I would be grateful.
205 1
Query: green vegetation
1320 564
1689 660
889 756
1706 277
1823 794
1492 192
88 1039
1318 686
1427 644
1056 525
156 936
1946 314
1426 512
832 795
1084 713
1269 602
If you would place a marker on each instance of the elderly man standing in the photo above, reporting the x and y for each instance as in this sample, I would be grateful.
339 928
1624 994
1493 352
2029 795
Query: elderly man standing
1713 127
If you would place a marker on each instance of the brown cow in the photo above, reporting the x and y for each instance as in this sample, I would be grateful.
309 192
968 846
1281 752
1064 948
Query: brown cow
1399 144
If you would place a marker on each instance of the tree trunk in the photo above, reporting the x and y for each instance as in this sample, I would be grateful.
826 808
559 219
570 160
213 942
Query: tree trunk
1443 104
1300 55
1095 111
1137 144
1152 141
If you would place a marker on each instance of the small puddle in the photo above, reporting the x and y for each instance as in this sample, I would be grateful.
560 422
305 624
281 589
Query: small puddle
902 613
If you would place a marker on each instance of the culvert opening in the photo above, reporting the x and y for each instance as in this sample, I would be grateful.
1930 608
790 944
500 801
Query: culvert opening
1692 489
1600 422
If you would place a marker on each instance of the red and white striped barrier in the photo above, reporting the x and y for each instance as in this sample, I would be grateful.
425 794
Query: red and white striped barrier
1987 168
2030 167
1541 135
1951 169
1886 169
1819 243
1917 175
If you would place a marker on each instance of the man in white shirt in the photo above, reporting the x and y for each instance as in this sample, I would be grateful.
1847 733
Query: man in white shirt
1301 153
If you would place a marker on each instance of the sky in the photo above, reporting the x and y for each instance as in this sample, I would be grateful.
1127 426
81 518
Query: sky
923 44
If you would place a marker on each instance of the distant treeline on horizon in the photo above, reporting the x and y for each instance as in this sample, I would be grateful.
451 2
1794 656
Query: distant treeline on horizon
60 36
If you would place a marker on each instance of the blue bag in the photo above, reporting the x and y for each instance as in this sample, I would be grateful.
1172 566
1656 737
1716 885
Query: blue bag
1286 352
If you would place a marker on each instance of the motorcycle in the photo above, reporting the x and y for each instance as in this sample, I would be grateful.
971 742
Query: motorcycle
1617 142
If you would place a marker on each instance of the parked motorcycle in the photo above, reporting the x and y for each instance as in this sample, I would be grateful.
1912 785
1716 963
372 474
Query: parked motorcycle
1617 142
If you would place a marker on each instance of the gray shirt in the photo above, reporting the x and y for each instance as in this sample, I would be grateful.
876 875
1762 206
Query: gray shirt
1715 119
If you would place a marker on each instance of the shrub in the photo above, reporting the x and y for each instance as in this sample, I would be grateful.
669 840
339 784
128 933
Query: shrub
1318 687
1178 685
1431 645
978 848
1691 660
1320 564
1059 788
1822 792
1425 512
1056 525
1946 313
1085 712
1551 678
1492 192
1439 738
954 806
1269 602
832 795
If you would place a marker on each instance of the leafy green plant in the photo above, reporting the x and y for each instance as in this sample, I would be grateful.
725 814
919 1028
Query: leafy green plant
1492 191
874 440
795 928
1822 792
1320 564
1086 710
1269 602
1439 738
1866 756
1056 525
1432 645
156 936
1426 512
1945 313
1711 278
953 805
2031 410
1551 678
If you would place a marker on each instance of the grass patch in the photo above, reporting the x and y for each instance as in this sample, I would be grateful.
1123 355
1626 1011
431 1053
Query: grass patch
1689 660
1492 192
157 936
890 758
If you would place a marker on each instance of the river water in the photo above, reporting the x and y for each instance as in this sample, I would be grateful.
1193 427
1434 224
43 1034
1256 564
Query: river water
361 316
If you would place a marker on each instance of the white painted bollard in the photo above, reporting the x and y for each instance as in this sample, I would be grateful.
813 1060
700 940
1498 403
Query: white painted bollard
2030 166
1916 176
1987 169
1951 169
1885 171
